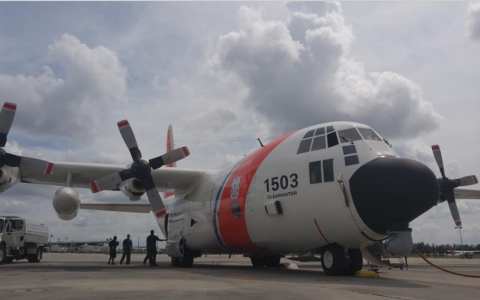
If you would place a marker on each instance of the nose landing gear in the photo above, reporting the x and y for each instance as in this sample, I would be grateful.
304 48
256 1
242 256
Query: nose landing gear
336 261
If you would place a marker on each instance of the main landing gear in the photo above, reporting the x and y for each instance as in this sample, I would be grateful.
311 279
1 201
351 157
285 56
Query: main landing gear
270 261
336 261
186 261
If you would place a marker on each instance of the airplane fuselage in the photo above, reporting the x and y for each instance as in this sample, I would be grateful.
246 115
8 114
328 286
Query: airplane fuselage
290 196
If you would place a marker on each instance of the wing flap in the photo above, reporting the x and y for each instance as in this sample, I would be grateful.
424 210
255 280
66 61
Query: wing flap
122 207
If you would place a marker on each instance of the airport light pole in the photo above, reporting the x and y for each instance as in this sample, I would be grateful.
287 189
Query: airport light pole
138 244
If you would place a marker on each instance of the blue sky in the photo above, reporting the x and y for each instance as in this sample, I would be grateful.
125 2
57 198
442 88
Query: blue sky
222 71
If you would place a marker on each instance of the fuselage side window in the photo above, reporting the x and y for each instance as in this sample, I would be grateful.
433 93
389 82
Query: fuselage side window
351 160
328 170
304 146
369 134
315 172
319 143
349 135
350 149
332 139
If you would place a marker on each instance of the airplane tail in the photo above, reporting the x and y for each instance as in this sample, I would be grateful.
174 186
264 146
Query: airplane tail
170 147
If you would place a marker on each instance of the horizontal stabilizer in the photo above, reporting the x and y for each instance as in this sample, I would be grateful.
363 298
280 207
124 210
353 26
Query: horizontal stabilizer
143 208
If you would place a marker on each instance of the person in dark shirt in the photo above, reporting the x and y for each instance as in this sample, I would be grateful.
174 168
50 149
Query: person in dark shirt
126 247
152 249
113 250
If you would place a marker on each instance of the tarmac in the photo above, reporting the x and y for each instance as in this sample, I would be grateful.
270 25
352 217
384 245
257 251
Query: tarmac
87 276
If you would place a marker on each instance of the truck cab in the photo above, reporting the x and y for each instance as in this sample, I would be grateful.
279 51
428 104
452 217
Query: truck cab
21 239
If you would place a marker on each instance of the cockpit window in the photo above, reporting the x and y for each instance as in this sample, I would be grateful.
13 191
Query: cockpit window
349 135
319 143
320 131
304 146
1 225
332 139
369 134
309 134
329 129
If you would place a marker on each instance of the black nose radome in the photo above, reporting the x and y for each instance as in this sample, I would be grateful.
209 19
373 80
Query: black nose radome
389 193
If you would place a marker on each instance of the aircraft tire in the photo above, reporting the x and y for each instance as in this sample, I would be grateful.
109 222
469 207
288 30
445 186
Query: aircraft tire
356 262
333 260
3 255
272 261
257 262
187 260
175 262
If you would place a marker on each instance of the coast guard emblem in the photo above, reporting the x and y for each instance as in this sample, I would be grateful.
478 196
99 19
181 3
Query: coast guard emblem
235 188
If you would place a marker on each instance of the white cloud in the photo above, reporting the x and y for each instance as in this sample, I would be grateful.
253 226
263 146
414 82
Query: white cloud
473 20
299 73
71 106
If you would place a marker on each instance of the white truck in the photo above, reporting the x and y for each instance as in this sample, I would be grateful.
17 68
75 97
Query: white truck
21 238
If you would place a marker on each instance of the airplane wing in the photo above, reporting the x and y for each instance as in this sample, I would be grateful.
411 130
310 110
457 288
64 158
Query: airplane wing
165 179
467 194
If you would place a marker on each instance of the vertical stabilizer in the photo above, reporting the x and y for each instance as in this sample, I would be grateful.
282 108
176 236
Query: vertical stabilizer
170 147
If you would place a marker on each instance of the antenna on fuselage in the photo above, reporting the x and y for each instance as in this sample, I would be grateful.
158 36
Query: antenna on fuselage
260 142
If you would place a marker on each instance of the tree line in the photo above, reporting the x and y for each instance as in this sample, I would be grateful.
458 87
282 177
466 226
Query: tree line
444 248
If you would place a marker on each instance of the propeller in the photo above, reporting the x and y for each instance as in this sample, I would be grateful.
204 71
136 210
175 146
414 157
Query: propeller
25 163
448 185
140 169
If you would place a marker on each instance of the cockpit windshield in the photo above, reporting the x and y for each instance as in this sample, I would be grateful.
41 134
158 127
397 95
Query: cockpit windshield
369 134
349 135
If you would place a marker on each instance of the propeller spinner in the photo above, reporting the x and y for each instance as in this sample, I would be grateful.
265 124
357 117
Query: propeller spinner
448 185
140 169
25 163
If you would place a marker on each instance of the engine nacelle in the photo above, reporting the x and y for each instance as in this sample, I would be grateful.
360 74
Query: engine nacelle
66 203
132 188
8 177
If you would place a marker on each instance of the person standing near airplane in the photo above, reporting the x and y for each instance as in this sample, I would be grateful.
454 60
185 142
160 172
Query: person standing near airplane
127 247
113 250
152 249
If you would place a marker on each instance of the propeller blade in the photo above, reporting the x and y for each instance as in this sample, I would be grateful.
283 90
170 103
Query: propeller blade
29 164
110 181
467 180
169 157
452 204
438 157
6 119
129 138
154 198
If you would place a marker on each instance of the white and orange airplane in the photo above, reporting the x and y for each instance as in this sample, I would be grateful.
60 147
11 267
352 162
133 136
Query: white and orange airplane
332 189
